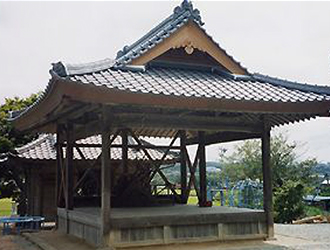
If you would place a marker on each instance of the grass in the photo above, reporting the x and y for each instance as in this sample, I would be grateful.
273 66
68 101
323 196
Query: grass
5 207
313 211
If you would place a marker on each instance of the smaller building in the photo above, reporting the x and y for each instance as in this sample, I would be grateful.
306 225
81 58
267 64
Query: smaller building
37 161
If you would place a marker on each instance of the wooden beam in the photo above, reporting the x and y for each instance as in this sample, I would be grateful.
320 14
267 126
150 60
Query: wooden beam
155 166
137 147
267 180
221 137
183 168
192 169
196 123
158 165
202 169
69 167
105 182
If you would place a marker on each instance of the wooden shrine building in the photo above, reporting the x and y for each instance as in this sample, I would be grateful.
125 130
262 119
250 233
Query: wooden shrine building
175 82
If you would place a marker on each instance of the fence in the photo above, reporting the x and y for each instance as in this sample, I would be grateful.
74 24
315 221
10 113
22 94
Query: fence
244 193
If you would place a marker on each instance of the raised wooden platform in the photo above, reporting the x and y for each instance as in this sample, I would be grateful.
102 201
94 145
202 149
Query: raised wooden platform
165 225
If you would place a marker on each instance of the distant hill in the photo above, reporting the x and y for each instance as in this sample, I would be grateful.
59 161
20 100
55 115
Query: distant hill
322 168
210 166
173 172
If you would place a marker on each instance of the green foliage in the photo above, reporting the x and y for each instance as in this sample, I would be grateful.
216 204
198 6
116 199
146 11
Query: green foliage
10 139
313 211
291 177
288 202
325 191
245 162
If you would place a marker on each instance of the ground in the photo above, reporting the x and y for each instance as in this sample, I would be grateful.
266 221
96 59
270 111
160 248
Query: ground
14 242
288 237
304 237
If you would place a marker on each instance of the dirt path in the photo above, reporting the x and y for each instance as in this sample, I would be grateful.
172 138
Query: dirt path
14 242
62 241
303 237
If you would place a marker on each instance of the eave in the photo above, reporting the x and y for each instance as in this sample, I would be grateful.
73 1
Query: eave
65 91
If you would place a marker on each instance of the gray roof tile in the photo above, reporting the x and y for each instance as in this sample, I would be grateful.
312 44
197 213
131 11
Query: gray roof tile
43 149
197 83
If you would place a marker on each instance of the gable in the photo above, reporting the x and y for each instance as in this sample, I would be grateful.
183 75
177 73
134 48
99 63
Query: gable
181 30
180 56
192 37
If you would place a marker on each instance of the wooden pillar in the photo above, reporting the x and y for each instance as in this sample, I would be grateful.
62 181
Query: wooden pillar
29 191
183 164
202 169
69 167
59 162
267 180
105 183
37 191
124 138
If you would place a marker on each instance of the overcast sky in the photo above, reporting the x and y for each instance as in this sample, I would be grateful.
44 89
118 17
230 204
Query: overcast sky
284 39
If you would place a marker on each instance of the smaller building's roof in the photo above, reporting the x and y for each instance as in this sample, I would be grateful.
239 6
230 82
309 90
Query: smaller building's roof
43 148
316 198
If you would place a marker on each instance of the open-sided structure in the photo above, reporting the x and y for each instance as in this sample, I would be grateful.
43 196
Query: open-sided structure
174 82
35 163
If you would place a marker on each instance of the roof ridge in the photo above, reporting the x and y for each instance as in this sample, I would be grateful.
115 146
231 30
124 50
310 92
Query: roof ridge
181 13
323 90
63 70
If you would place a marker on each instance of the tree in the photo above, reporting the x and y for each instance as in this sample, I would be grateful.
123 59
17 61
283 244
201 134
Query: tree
288 202
245 162
291 177
11 181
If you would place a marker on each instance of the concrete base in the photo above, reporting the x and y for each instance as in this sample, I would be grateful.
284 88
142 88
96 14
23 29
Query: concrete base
165 225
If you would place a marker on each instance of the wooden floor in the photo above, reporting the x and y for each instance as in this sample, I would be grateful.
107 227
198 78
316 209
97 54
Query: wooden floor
178 214
165 210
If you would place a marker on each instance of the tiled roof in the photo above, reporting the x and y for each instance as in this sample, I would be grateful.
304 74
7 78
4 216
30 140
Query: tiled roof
178 80
180 16
201 83
43 149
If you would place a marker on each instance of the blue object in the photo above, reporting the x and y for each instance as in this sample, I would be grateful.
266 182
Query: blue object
24 222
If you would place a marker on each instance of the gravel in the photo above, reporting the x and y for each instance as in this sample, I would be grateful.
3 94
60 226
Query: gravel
304 237
313 232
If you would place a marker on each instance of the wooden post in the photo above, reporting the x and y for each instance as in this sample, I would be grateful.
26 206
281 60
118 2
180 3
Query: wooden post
105 182
59 157
183 164
29 190
202 169
124 149
37 191
69 167
267 180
